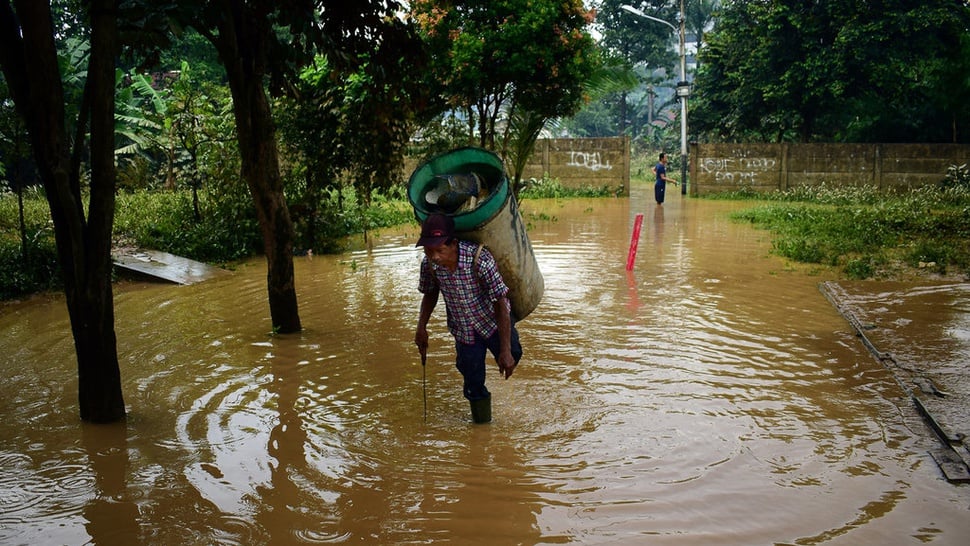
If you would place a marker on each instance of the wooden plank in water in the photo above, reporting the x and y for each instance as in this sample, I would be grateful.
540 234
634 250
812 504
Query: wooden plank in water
942 431
952 465
165 266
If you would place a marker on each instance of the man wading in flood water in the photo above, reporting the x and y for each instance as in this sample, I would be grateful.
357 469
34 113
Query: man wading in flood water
477 306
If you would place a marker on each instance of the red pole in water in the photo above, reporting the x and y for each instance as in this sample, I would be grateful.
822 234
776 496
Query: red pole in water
634 241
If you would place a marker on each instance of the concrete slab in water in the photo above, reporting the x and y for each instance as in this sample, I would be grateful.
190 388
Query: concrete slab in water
164 266
919 332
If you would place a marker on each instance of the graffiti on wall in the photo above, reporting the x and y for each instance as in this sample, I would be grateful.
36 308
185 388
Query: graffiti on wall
582 162
738 170
782 165
588 160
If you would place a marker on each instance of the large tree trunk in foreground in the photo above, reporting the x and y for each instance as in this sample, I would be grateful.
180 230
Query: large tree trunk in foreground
29 59
241 43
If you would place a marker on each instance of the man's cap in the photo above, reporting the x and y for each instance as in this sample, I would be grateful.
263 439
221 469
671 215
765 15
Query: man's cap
436 230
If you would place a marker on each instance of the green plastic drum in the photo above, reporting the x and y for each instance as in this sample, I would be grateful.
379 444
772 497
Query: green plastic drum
495 221
461 161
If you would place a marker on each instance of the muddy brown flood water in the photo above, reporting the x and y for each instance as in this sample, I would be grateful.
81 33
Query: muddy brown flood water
712 396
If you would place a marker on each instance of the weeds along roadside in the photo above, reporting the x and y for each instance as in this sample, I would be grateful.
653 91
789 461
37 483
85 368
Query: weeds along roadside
865 233
858 230
218 229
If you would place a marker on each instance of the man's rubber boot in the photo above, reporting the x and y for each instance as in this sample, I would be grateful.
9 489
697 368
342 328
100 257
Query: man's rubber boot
482 410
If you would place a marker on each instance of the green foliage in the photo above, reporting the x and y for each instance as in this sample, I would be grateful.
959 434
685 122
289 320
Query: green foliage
862 267
957 176
648 110
823 194
597 118
607 78
510 66
343 214
346 136
190 47
834 71
701 15
346 129
73 57
548 188
525 126
39 272
493 57
37 215
173 130
165 221
443 133
865 232
639 40
228 230
139 113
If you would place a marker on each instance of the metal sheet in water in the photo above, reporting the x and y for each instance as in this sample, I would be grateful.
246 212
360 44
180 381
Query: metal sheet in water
710 396
163 266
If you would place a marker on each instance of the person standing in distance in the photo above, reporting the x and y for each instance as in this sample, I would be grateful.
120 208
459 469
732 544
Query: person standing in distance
476 302
660 186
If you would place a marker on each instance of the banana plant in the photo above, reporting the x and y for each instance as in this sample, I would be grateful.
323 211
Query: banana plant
140 112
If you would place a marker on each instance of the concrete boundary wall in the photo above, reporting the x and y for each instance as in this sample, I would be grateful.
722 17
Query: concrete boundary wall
718 168
582 162
574 162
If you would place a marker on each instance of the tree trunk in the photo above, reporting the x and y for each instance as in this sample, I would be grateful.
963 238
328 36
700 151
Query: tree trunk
623 121
312 189
30 65
98 372
23 226
239 43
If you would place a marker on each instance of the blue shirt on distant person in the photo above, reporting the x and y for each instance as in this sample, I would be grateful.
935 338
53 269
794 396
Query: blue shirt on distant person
660 186
661 171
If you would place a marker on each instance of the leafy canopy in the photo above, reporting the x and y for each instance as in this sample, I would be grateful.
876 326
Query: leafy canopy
497 55
833 71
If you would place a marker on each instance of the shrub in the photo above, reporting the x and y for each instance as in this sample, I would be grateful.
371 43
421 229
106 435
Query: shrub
860 268
957 176
864 230
38 273
165 220
548 188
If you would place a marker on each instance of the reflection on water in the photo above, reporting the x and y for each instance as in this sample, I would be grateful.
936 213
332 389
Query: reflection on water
710 396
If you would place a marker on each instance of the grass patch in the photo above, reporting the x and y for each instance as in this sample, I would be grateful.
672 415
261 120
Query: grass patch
866 233
225 231
548 188
28 263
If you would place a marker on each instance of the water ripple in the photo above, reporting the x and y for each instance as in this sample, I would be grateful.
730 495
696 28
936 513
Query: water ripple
675 404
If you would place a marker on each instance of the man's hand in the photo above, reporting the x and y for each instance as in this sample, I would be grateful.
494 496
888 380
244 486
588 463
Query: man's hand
421 340
506 364
428 301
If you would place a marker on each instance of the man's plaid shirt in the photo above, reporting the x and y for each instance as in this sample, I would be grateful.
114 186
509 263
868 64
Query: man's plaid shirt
470 296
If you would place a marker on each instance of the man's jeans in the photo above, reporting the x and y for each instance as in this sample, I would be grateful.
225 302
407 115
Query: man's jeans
470 361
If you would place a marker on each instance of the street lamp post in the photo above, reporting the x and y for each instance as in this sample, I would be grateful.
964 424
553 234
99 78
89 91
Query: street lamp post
683 87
